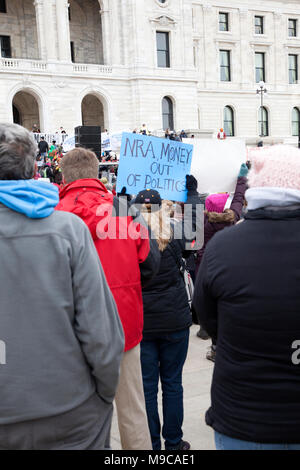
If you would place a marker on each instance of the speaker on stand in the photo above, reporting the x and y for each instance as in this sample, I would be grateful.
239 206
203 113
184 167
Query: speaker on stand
89 137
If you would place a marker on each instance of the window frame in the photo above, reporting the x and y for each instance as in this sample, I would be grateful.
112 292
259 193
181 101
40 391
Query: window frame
295 108
295 28
265 122
162 5
227 23
4 6
263 68
296 69
262 25
225 67
170 113
232 121
72 51
9 56
167 51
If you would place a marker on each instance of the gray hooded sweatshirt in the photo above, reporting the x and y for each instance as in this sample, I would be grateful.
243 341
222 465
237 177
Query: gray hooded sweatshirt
61 339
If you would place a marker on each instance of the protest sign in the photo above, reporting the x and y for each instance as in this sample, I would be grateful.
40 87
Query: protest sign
69 144
105 142
153 163
115 141
111 142
216 163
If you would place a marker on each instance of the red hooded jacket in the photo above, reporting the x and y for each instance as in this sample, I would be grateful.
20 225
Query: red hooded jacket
128 261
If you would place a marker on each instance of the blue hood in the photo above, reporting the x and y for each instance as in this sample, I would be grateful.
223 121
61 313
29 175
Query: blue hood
35 199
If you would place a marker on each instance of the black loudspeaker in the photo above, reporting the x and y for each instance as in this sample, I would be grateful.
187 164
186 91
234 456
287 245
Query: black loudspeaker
89 137
87 130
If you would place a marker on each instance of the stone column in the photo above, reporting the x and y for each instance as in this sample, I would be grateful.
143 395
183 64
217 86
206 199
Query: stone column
212 74
125 58
246 52
39 11
63 30
281 52
187 50
50 30
116 31
105 21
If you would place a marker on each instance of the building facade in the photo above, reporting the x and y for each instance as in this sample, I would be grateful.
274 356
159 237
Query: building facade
182 64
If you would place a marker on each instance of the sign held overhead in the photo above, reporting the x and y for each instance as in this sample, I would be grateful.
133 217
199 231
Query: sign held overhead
153 163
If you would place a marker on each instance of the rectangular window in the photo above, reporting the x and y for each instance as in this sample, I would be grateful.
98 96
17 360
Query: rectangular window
3 6
223 21
293 68
225 66
292 28
163 49
260 74
259 25
5 47
72 51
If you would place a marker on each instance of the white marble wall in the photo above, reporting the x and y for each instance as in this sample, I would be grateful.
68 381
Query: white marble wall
130 85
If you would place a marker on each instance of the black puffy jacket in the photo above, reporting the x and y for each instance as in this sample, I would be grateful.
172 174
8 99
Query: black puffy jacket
165 299
248 295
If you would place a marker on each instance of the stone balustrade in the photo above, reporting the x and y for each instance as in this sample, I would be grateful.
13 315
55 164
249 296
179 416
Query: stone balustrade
26 65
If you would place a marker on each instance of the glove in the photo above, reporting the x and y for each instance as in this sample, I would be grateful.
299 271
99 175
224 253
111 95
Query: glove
124 194
191 183
243 171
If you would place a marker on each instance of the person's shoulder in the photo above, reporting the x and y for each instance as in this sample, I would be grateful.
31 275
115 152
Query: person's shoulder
66 223
228 235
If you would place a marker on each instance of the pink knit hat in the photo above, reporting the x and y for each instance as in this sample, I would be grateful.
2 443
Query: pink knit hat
277 166
216 202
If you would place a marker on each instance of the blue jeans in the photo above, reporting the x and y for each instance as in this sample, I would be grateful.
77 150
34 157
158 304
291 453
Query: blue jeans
163 357
228 443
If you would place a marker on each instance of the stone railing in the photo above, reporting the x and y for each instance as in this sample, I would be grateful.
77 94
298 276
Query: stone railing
92 69
10 63
38 66
22 64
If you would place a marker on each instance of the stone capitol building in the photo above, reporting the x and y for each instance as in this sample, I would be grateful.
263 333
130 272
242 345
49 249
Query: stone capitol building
178 64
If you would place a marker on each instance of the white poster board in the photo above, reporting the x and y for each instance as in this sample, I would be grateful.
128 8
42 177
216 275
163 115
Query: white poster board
69 143
216 163
116 141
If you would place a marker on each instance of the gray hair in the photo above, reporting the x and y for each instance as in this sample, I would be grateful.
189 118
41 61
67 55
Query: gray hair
18 151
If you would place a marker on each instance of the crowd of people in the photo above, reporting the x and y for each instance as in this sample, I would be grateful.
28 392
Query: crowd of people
48 161
106 316
168 133
36 130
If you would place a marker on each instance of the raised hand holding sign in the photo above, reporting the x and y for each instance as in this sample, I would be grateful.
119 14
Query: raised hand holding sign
153 163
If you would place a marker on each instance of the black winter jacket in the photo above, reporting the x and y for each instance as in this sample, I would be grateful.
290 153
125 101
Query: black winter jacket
248 295
43 146
166 307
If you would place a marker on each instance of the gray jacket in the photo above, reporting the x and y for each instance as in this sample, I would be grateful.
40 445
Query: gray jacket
60 334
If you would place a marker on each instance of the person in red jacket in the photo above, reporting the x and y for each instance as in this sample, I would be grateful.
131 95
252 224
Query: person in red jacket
130 259
222 135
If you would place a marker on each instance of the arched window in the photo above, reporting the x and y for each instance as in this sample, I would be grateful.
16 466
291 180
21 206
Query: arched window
295 122
167 113
229 121
263 122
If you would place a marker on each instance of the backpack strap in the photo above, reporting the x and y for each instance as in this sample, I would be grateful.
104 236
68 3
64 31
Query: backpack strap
178 258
